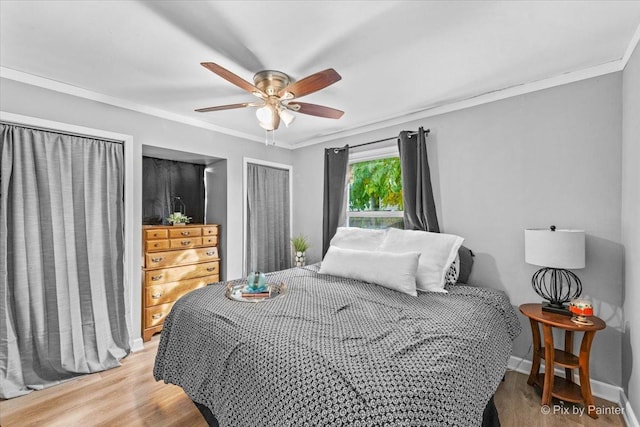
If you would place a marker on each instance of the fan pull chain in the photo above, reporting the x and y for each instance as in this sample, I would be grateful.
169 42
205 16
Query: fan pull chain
273 137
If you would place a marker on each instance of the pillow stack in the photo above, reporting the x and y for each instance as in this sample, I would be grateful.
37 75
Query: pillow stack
403 260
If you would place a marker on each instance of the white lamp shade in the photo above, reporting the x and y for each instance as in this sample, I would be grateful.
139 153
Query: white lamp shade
266 126
265 113
556 249
286 116
265 117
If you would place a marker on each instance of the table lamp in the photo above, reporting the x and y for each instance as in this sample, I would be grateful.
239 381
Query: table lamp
556 251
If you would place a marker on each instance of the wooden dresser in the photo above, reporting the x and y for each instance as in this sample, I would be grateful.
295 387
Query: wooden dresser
176 260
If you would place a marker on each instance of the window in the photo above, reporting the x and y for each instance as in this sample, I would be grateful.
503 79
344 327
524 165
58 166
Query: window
375 190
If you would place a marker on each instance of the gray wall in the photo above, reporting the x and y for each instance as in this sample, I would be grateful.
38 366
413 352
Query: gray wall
631 229
24 99
552 156
548 157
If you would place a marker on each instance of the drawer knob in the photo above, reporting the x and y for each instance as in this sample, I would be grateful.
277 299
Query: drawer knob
185 233
157 316
185 242
211 253
211 268
156 259
155 245
156 296
154 278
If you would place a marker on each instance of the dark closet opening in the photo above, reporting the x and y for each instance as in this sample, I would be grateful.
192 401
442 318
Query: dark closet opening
172 186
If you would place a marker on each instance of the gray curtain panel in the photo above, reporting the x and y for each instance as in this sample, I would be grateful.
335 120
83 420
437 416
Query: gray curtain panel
268 219
334 212
165 180
417 193
62 309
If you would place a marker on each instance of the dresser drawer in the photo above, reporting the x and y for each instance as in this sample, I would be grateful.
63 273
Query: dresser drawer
156 233
176 260
210 231
210 241
169 292
156 245
166 275
155 315
185 242
178 232
186 256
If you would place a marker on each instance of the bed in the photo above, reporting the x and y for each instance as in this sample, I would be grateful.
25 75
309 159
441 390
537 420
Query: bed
335 351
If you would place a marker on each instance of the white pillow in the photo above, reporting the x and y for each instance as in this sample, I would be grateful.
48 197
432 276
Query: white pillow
437 252
364 239
392 270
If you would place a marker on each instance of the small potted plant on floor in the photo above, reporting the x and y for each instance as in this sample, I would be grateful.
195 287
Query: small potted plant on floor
178 218
300 246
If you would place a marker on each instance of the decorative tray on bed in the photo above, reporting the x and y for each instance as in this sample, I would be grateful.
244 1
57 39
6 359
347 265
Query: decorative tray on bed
237 291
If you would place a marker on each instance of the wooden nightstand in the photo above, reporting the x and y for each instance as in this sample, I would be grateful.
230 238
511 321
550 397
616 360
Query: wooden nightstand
553 385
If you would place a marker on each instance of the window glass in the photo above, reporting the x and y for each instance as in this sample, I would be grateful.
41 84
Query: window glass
375 194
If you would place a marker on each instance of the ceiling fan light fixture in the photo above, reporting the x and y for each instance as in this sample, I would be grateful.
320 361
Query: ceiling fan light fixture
265 116
287 116
275 90
266 126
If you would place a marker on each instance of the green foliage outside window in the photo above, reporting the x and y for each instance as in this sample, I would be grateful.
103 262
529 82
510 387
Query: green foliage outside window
376 185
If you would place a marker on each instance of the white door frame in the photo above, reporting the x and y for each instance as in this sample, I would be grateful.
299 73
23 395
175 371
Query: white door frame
131 226
245 162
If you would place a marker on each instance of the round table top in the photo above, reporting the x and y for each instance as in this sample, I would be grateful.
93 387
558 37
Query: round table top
534 311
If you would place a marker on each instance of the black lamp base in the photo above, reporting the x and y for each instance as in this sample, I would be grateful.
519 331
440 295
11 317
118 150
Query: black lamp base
548 307
557 286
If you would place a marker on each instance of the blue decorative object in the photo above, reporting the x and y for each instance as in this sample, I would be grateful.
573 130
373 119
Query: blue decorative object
256 282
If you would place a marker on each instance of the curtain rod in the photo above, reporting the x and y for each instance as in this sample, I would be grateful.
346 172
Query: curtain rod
426 132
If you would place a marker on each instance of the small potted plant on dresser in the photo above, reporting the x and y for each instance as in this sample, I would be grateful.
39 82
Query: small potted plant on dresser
178 218
300 246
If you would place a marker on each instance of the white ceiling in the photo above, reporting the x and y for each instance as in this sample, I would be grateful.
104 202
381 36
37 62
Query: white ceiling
395 57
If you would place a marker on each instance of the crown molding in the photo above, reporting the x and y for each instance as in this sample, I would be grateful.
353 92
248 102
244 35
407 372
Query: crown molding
423 113
632 46
485 98
68 89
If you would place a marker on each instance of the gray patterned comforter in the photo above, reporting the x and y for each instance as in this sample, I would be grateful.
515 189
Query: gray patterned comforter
339 352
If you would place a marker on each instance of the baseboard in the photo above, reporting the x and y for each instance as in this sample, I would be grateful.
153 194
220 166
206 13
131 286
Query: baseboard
136 344
628 414
606 391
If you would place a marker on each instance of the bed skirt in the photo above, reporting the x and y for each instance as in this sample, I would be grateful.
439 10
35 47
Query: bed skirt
489 417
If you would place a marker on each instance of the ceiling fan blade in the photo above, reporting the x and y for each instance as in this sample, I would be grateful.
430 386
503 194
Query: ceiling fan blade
312 83
224 107
232 78
315 110
206 23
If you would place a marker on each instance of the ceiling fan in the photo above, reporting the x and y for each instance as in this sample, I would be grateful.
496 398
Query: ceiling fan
277 92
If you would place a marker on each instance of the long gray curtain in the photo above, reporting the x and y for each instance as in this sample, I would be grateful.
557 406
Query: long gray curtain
62 309
268 219
417 192
334 213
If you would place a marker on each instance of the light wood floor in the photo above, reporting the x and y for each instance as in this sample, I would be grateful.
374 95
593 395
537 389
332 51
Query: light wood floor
129 396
